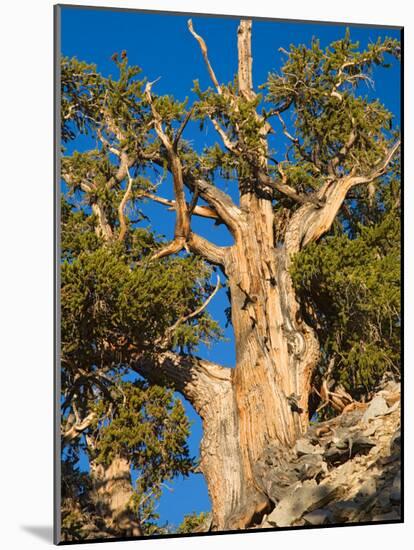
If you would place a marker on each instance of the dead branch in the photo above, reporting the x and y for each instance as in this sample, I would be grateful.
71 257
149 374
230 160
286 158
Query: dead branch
204 51
106 144
181 128
121 209
245 60
219 201
380 168
344 77
202 211
182 222
230 145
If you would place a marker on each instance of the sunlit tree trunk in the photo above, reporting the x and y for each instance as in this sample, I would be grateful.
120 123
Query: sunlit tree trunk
276 353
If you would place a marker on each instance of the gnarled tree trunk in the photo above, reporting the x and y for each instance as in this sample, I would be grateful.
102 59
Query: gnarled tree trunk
265 397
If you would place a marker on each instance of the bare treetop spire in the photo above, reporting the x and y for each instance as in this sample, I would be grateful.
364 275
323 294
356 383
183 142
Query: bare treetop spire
244 47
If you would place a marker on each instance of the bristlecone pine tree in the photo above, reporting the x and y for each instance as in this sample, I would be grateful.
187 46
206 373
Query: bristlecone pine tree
312 274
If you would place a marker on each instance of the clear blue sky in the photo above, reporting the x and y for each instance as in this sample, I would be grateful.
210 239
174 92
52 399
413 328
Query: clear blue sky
162 46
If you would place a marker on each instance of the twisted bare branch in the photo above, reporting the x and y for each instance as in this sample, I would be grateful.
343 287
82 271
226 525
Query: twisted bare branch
182 222
204 51
77 429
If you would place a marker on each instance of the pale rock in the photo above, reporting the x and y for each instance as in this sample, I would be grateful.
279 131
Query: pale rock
305 499
377 407
304 447
371 430
394 407
362 482
318 517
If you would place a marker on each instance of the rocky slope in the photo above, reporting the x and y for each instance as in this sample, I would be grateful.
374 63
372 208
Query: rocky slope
344 470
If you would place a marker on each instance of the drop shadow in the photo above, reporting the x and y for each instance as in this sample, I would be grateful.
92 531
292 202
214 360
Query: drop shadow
42 532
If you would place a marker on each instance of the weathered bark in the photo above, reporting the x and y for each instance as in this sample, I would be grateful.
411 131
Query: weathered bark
264 399
103 228
276 353
111 495
245 59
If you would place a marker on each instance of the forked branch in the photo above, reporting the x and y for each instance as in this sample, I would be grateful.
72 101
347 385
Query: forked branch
309 224
182 232
380 168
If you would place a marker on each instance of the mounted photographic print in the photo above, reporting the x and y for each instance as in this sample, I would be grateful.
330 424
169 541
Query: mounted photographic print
228 274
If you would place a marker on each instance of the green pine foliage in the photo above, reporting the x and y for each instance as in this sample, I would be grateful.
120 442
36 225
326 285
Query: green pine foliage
350 282
323 87
75 490
149 426
109 296
191 522
112 298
